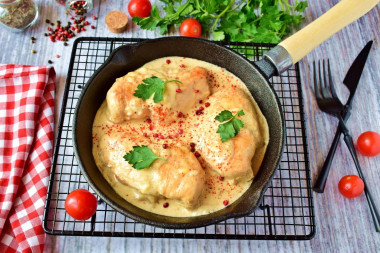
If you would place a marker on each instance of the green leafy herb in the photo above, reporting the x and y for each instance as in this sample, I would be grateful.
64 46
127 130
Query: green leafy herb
265 21
231 126
141 157
150 86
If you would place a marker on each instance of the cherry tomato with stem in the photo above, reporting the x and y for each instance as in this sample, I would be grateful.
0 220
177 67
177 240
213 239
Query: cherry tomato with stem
191 28
81 204
139 8
369 143
351 186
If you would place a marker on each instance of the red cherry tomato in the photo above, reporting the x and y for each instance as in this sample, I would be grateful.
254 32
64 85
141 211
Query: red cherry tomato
369 143
81 204
191 28
351 186
139 8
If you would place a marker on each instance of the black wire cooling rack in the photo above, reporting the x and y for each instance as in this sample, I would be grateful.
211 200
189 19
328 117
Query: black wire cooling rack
285 213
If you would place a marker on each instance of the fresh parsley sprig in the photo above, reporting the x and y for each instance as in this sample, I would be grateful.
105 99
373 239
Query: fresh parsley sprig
231 126
265 21
150 86
141 157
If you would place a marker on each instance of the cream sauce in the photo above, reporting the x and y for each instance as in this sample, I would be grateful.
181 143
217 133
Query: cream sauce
217 189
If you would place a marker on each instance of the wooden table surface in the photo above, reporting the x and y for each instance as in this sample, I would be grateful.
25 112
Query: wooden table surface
342 225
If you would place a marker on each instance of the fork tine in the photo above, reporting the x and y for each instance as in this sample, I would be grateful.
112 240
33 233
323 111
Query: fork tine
316 87
325 85
332 88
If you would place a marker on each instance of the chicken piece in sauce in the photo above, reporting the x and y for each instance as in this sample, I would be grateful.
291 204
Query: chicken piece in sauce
181 177
178 97
231 159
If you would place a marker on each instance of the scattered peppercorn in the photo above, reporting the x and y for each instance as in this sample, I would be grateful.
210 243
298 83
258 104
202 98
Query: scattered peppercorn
47 21
192 145
164 146
93 27
155 135
33 51
80 86
94 18
196 91
207 104
165 205
225 202
178 90
180 131
182 66
50 62
65 44
168 61
221 178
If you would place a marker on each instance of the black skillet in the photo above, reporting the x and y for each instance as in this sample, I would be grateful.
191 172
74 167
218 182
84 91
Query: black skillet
255 76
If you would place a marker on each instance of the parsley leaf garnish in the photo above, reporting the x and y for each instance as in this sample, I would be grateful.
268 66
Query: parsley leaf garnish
150 86
141 157
231 126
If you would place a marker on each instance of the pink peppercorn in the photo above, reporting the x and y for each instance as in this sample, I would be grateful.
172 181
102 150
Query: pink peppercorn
155 135
164 146
180 131
225 202
207 104
182 66
168 61
178 90
165 205
196 91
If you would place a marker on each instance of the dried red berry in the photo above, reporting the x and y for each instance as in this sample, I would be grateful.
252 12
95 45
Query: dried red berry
207 104
168 61
164 146
225 202
93 27
165 205
178 90
145 134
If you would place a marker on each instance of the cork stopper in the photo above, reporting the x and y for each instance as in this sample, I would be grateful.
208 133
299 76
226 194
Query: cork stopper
116 21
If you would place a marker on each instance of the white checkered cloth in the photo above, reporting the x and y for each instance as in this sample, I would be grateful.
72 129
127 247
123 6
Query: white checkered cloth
26 148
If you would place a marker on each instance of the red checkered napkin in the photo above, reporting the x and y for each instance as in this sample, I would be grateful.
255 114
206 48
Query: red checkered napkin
26 147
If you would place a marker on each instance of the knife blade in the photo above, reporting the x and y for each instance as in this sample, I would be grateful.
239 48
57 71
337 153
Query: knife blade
351 80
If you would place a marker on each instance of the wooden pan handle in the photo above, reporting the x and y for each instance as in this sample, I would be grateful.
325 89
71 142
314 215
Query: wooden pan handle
342 14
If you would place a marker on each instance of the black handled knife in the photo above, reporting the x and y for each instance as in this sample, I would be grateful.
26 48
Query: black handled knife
351 81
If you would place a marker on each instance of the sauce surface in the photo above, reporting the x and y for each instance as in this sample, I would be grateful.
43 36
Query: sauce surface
115 134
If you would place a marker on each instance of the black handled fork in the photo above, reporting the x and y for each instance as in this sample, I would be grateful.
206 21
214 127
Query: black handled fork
329 102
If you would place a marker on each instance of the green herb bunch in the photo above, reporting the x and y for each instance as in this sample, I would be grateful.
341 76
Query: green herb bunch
266 21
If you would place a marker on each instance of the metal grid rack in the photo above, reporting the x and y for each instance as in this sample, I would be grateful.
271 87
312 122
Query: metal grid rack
286 212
